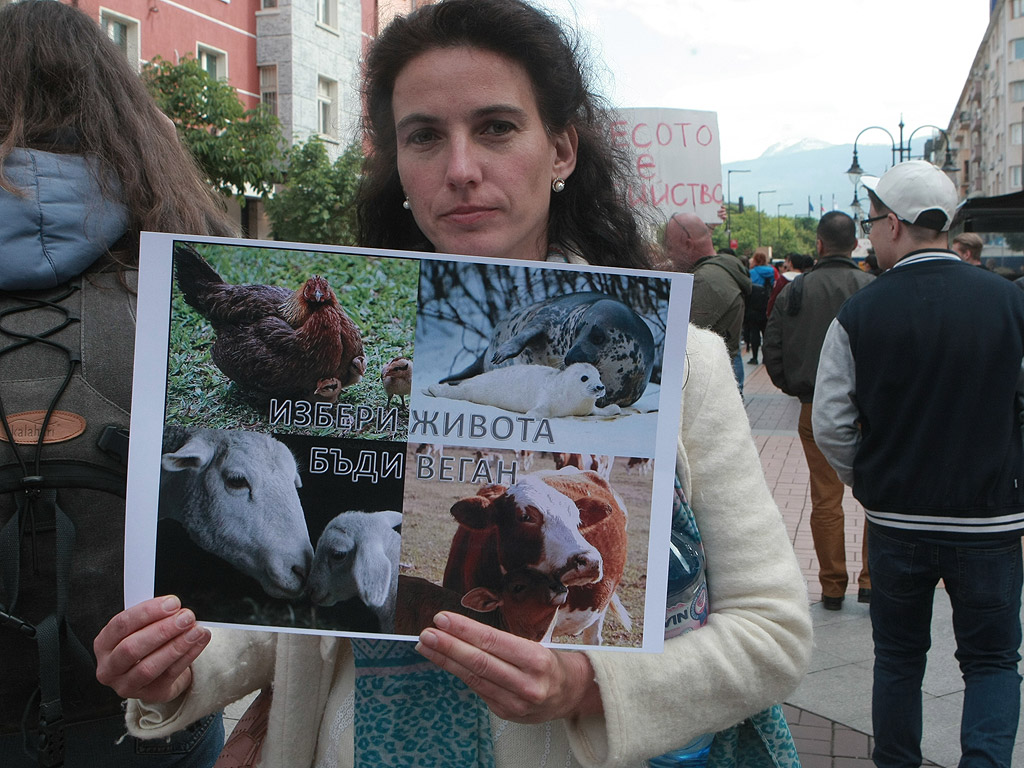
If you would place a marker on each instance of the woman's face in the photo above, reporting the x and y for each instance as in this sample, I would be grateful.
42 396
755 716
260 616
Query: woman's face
473 155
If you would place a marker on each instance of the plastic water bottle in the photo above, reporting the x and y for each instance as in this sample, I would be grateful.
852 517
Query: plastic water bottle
687 609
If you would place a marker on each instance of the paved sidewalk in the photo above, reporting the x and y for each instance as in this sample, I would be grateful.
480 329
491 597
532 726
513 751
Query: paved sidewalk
830 713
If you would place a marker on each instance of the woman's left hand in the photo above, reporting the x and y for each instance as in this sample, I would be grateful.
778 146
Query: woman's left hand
520 680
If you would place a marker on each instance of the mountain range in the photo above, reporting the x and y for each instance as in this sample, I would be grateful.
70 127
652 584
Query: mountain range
802 170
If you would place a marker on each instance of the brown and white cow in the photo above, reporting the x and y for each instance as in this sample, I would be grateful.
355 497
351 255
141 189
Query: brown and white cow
528 524
563 460
524 460
592 461
603 524
568 524
638 466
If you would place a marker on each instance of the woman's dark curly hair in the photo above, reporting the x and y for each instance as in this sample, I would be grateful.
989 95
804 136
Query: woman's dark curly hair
591 215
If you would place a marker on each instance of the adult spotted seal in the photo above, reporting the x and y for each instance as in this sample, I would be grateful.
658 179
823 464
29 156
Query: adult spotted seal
536 390
588 327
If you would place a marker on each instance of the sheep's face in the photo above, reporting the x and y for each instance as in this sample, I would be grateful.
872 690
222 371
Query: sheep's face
357 554
331 580
236 494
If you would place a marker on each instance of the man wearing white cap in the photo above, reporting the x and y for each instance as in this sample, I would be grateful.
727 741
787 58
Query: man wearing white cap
916 406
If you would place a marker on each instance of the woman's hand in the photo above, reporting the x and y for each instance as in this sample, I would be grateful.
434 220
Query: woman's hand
146 651
519 679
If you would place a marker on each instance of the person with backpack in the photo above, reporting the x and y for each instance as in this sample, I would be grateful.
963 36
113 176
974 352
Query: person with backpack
792 344
720 281
87 161
755 317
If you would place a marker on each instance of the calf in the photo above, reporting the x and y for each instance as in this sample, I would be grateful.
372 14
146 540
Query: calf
602 523
419 601
527 605
528 524
502 529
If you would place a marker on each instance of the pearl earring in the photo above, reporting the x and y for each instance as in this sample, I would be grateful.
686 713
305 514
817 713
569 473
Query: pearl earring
405 204
558 185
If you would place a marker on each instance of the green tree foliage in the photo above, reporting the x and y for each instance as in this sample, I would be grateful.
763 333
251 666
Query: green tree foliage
317 202
235 147
784 234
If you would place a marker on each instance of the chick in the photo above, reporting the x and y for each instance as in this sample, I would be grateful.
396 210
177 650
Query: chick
396 377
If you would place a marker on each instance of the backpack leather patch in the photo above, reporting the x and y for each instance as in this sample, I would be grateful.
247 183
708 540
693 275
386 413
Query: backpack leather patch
25 426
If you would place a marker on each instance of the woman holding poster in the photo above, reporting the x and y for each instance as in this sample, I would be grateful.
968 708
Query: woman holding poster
487 142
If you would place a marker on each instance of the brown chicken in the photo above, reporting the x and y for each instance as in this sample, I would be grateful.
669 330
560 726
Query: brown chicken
396 377
273 342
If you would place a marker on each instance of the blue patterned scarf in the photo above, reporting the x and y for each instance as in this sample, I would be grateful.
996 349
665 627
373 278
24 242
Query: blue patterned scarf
409 709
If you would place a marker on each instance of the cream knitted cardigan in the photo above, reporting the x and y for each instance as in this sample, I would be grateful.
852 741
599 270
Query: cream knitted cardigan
752 653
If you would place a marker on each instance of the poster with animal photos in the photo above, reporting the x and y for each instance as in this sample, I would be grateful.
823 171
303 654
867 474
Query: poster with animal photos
346 441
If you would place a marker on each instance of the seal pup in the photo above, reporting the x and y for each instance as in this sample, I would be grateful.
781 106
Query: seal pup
536 390
588 327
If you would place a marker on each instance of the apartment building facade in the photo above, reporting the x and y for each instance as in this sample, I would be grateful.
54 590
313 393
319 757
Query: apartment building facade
299 58
986 126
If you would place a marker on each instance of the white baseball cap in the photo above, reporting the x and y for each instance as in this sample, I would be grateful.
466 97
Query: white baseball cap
917 192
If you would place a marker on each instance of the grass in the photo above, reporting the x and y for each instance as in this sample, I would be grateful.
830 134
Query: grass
379 294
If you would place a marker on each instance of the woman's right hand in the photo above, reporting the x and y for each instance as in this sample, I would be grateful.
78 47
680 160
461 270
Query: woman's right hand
146 651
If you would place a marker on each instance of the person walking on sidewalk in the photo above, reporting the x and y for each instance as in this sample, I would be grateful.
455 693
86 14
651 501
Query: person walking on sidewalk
917 405
796 329
720 281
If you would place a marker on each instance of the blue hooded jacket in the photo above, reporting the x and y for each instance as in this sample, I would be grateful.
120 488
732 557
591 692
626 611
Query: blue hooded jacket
59 226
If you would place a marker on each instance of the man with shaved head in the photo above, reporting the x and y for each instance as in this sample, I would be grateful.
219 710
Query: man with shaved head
720 281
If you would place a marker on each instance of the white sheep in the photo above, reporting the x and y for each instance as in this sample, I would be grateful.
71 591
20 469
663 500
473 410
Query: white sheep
357 554
236 495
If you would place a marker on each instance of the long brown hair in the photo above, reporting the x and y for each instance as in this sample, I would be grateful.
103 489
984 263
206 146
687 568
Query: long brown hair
591 214
64 87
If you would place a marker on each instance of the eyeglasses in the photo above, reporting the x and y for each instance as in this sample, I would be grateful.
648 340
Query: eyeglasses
866 224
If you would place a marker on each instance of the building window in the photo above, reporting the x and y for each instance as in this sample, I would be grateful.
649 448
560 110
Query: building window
214 61
1015 133
327 98
268 88
1014 177
1017 49
265 4
327 12
124 32
1017 90
1017 8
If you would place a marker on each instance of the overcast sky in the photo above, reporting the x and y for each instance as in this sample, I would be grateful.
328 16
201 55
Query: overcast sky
787 70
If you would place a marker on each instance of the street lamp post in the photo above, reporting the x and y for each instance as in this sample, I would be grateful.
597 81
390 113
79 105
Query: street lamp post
900 150
761 192
728 200
778 220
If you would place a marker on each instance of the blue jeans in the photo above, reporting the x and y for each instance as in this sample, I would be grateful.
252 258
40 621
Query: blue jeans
983 580
95 745
737 369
